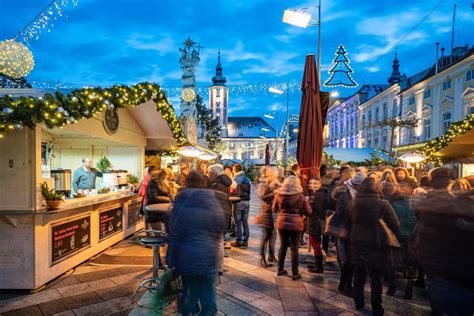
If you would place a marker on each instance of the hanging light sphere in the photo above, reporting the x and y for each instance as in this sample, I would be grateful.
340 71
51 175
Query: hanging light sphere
111 107
16 60
188 94
18 126
7 110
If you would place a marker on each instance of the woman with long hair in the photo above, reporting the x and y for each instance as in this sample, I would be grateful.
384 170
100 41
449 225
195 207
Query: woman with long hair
266 191
291 205
369 256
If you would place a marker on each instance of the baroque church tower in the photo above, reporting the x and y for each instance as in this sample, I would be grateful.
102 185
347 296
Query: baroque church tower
219 97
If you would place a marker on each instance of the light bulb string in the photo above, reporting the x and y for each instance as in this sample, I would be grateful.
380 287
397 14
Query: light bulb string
34 19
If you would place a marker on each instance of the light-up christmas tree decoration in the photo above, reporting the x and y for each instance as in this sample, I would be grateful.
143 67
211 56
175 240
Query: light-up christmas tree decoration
341 71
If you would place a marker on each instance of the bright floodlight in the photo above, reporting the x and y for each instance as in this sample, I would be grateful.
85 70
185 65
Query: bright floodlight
296 18
269 116
334 94
412 157
265 129
275 90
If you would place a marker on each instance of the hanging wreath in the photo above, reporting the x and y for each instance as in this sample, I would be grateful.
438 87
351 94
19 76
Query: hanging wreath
59 109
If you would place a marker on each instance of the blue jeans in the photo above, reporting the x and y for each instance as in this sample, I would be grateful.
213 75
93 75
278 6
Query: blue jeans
199 289
448 298
242 220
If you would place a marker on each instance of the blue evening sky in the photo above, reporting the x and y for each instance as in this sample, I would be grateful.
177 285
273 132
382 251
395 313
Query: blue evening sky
103 42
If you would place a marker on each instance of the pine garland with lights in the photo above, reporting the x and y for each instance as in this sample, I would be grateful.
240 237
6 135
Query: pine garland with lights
456 129
211 126
59 109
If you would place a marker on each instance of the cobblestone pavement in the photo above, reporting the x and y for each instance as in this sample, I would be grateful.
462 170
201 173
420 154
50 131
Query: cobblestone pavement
104 286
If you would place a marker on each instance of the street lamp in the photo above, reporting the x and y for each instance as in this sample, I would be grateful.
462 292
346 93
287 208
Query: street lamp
280 92
302 18
273 116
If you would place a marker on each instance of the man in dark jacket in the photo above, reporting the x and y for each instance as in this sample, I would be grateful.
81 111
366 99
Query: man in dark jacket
196 228
444 246
241 186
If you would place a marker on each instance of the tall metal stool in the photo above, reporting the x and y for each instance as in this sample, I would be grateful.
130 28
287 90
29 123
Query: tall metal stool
157 240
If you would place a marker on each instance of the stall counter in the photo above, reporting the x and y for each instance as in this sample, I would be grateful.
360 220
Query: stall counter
38 246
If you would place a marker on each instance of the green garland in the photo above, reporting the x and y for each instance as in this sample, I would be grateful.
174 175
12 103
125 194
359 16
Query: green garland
59 110
456 129
211 125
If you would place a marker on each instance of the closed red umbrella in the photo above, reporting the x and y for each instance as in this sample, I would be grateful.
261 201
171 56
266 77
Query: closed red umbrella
314 107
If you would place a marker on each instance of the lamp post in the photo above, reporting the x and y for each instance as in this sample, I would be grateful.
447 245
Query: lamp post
280 92
302 18
273 116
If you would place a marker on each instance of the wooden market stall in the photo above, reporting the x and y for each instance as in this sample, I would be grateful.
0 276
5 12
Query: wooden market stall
38 244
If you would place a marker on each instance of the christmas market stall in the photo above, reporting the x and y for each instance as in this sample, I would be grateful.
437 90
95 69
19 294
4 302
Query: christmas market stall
455 147
49 223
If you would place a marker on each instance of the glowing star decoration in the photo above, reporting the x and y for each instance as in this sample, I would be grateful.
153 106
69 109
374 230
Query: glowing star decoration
188 94
340 72
16 60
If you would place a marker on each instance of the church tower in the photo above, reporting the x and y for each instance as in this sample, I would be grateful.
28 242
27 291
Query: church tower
219 97
395 77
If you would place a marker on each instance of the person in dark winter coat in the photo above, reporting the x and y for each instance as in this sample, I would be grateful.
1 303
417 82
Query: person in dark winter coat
344 195
241 186
444 246
220 183
291 205
367 255
319 199
197 222
265 218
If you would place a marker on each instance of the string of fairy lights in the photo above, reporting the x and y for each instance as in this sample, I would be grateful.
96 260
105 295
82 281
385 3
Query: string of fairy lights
16 59
257 89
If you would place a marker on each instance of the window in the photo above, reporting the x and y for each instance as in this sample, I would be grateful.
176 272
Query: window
427 129
470 75
385 111
411 100
363 120
446 121
470 110
427 94
447 84
394 108
384 139
376 140
377 114
369 118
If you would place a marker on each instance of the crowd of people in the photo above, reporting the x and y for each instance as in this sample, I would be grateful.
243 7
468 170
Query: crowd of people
383 223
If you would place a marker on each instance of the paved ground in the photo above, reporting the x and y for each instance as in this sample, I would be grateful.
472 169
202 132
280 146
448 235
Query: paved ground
104 286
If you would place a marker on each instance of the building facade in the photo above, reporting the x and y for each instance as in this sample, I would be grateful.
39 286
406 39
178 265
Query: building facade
435 97
343 117
243 138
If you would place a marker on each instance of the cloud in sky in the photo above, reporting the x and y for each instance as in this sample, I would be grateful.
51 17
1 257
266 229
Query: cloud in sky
124 41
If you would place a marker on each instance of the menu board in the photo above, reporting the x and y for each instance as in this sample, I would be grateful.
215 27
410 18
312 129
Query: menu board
110 222
70 237
134 215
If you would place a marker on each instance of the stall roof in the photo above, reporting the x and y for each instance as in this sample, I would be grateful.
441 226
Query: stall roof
351 154
461 147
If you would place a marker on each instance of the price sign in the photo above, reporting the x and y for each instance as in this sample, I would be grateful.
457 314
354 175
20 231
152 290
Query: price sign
70 237
110 222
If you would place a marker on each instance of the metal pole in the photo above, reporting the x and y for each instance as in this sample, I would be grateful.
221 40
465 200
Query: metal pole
287 142
276 152
319 42
452 31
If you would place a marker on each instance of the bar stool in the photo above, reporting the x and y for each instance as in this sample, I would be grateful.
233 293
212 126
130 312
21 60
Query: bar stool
157 240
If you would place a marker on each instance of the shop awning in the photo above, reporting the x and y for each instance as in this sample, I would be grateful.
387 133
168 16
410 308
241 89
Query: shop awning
461 147
157 132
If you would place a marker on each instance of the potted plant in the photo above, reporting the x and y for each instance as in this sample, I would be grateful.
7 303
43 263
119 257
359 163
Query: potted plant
53 199
133 180
104 164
